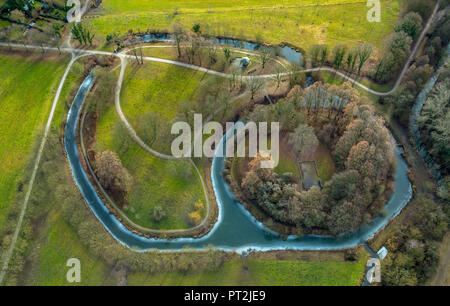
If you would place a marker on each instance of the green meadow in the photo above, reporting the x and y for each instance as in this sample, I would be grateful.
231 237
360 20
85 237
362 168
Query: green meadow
54 247
262 272
155 88
27 89
300 22
158 88
54 241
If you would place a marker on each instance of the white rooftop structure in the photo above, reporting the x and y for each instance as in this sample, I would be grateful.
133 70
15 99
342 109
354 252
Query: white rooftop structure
245 61
382 253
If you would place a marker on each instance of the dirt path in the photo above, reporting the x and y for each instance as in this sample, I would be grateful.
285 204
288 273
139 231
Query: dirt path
143 145
7 255
442 276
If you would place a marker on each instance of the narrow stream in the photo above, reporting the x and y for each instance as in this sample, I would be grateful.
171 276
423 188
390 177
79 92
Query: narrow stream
416 111
286 52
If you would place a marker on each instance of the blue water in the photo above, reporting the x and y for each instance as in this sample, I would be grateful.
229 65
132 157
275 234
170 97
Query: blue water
286 52
235 229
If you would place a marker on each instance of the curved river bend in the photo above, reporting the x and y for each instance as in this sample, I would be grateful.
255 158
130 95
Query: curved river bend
236 229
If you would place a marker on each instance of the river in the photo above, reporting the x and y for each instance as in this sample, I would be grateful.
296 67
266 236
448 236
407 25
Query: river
235 230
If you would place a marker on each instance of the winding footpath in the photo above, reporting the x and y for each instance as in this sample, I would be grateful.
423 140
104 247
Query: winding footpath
78 53
143 145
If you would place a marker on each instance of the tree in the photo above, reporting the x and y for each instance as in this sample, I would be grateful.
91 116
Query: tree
112 175
323 55
398 47
179 34
296 76
227 54
266 54
315 53
212 53
196 28
338 55
57 30
278 76
158 213
399 44
351 60
312 211
411 24
254 84
385 68
304 139
435 126
422 7
344 218
318 54
24 6
364 52
152 128
396 273
81 34
361 158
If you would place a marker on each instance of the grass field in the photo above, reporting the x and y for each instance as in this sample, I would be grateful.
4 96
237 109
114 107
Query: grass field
300 22
157 88
324 162
262 273
288 162
57 244
54 242
146 90
27 89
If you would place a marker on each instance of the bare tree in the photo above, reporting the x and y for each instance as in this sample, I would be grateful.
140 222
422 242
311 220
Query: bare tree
179 33
364 52
304 139
266 55
278 76
323 55
254 85
338 55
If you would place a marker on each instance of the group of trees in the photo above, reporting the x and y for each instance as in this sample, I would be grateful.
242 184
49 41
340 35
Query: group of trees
341 58
364 155
395 54
299 104
421 70
304 139
194 49
24 6
434 123
398 44
113 176
414 247
22 11
439 38
416 77
82 34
